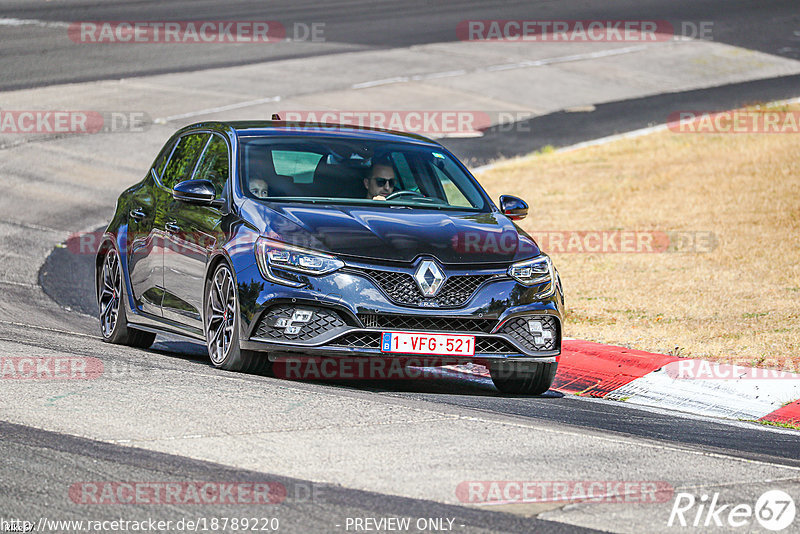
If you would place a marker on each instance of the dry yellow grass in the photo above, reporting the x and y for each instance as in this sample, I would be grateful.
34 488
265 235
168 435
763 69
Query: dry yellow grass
739 302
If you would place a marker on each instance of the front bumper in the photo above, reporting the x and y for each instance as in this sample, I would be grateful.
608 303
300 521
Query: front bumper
349 312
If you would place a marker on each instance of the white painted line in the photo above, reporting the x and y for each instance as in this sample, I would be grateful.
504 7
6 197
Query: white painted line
501 67
207 111
414 78
375 83
33 22
436 75
455 135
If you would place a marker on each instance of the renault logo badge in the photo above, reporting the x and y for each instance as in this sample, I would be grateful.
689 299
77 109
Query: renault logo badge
429 277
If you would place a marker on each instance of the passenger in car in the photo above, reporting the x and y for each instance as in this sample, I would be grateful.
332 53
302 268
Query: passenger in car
381 181
259 188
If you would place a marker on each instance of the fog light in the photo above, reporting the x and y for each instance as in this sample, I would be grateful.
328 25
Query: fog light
540 334
289 324
302 316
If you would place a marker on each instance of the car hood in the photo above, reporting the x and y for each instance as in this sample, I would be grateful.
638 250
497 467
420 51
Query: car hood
395 233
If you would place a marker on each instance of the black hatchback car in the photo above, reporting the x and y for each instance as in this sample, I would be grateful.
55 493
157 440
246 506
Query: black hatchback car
269 240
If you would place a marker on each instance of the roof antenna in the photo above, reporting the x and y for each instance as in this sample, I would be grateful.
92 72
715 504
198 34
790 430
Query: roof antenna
276 117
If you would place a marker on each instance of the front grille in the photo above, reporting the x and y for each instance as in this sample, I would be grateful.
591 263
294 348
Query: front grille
458 289
519 329
322 320
427 324
401 288
372 340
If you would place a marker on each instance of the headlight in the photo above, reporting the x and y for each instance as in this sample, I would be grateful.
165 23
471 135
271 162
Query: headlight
276 255
534 272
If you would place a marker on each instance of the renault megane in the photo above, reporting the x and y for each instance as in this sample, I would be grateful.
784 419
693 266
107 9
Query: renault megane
268 239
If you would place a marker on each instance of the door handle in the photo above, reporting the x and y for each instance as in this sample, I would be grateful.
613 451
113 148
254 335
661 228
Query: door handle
137 214
172 227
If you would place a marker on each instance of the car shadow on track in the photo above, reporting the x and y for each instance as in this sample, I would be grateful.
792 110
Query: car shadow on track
460 380
450 386
465 380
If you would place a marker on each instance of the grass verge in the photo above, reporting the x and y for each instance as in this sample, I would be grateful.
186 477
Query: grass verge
734 298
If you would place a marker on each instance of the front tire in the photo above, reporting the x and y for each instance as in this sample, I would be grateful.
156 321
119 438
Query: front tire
113 320
221 326
523 378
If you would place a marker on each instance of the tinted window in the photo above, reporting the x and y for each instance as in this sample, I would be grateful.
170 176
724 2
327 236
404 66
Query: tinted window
214 164
356 171
451 191
297 164
183 159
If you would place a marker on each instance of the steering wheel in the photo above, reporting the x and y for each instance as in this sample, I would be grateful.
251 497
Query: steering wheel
405 193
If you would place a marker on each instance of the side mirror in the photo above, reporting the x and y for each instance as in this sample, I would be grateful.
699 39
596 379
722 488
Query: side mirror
200 192
514 208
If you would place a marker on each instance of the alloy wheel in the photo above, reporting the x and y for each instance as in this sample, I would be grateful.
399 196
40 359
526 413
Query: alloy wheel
221 315
110 291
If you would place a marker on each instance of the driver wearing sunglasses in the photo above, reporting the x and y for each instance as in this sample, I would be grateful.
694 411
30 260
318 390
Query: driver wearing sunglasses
381 182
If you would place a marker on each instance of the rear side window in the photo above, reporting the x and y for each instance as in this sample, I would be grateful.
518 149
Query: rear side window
299 165
213 164
183 159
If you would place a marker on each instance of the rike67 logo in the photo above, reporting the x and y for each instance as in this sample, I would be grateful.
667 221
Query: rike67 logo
773 510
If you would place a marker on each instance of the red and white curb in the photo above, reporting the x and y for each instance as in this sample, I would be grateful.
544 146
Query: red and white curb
668 382
681 384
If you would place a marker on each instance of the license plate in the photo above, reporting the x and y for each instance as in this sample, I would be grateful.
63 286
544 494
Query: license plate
433 344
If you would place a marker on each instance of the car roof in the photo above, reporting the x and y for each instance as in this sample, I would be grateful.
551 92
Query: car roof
315 129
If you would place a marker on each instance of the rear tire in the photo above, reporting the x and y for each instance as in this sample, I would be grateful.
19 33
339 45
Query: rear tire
111 306
523 378
221 326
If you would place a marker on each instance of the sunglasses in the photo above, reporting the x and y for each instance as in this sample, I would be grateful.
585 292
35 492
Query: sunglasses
383 181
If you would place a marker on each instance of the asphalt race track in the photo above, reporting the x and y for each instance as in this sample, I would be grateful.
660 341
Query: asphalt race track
341 449
41 59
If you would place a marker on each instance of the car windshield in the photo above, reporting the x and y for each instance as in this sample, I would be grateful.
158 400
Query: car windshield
333 170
